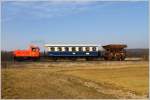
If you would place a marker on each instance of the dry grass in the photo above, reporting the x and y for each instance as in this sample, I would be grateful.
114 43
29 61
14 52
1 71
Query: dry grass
75 80
130 78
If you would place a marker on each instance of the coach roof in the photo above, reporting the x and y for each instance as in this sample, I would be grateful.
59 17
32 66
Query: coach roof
64 45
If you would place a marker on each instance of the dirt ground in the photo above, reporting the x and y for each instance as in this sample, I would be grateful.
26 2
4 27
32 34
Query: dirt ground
87 80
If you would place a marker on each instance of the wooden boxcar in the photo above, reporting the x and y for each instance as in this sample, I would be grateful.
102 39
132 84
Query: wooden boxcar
114 52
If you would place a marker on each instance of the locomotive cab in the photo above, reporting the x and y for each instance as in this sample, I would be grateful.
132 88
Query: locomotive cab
34 49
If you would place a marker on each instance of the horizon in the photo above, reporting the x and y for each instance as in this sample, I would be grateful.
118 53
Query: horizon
97 22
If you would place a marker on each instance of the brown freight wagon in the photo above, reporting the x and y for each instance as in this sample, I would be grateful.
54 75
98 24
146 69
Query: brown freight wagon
114 52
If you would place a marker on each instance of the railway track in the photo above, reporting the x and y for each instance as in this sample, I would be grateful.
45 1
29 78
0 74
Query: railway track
6 63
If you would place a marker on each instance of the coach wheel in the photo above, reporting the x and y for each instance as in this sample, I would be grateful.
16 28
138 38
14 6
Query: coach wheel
118 58
54 59
19 59
105 58
73 59
14 58
35 59
87 59
122 58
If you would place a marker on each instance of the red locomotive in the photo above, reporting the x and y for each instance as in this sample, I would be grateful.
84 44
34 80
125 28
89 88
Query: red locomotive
33 53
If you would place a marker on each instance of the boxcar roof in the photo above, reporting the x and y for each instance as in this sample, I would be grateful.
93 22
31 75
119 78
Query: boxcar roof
63 45
115 46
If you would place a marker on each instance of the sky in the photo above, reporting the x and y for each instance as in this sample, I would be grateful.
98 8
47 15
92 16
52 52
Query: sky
97 22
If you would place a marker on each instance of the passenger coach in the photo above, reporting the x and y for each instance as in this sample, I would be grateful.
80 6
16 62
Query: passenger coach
72 50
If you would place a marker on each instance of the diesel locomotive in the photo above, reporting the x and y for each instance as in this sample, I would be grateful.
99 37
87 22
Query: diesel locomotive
73 52
32 53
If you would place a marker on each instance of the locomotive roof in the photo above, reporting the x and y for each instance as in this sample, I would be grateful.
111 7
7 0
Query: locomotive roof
50 45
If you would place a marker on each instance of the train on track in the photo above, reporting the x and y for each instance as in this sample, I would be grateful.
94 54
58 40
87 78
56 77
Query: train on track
73 52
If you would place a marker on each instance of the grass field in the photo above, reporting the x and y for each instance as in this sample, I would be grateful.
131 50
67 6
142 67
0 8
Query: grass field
51 80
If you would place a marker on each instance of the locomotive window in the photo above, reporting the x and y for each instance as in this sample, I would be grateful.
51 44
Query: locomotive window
52 49
94 49
33 49
87 49
66 49
73 49
59 49
80 48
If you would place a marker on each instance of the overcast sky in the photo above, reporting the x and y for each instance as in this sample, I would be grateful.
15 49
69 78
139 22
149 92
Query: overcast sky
77 21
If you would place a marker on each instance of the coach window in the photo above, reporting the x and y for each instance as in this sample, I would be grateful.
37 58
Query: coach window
80 48
59 49
66 49
73 49
94 49
87 49
52 49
